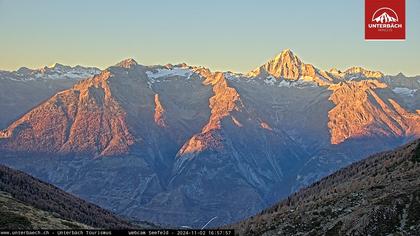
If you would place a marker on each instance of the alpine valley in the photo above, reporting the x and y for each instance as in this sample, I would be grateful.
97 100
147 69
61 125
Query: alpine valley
180 145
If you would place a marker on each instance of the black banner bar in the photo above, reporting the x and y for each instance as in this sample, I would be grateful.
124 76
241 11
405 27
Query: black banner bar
145 232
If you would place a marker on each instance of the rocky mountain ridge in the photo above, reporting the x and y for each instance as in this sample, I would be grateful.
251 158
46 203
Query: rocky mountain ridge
371 115
56 71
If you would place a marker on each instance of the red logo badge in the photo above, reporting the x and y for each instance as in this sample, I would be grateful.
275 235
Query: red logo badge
384 19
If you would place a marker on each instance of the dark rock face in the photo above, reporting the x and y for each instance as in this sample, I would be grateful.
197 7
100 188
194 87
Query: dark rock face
179 145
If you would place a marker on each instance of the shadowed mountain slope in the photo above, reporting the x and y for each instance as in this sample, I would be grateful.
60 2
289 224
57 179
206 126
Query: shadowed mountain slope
21 192
377 196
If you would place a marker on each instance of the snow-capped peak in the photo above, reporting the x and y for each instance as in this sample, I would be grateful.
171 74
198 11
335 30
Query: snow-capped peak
287 56
286 65
362 71
56 71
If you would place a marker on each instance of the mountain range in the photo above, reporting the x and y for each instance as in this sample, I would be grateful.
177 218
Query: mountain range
179 145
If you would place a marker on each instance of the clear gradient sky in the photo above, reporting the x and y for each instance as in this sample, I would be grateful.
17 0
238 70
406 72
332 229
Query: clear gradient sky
236 35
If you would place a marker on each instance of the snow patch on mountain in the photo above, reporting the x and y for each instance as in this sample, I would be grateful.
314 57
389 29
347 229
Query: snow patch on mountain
233 75
169 72
404 91
300 83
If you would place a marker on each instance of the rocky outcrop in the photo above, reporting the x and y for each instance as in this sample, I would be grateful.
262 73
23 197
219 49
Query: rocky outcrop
223 102
159 113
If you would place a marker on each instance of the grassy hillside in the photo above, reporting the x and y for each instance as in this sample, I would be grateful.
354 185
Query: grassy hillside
17 215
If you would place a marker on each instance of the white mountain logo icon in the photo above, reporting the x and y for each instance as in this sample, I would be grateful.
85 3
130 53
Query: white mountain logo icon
385 15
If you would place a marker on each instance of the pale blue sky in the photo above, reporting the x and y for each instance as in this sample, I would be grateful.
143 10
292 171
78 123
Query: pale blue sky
219 34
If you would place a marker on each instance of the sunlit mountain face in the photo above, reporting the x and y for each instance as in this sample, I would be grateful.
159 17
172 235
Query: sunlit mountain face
179 145
22 90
